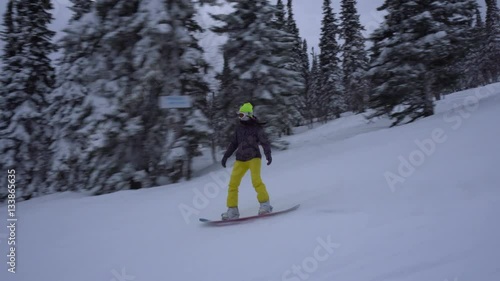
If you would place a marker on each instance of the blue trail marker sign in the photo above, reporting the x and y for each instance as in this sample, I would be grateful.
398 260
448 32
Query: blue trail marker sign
175 102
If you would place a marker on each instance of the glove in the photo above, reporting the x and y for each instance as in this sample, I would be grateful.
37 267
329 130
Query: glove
223 162
269 160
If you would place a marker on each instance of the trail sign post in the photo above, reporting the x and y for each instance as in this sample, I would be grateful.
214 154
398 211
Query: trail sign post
175 102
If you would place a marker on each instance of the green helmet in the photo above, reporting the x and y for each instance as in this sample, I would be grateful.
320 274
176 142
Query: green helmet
247 108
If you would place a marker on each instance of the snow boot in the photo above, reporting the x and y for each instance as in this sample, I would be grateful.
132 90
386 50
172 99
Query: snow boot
265 208
231 214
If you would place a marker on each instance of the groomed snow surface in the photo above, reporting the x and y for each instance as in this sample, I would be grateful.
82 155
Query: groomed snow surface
416 202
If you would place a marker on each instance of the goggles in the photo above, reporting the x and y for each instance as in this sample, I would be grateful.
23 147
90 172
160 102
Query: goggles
244 115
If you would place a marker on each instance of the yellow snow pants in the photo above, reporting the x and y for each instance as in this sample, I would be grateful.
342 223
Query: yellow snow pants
239 170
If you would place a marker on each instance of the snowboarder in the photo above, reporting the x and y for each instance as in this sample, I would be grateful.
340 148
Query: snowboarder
249 134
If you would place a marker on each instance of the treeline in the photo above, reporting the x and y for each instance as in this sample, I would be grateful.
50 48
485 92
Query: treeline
91 121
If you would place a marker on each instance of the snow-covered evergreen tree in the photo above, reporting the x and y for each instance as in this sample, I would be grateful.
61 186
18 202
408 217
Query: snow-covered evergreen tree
80 7
291 35
458 17
214 123
305 101
27 78
479 19
72 108
314 87
9 37
257 53
491 14
355 58
291 24
481 63
410 78
471 65
291 27
120 58
471 68
300 59
280 20
226 104
491 53
305 64
196 130
9 52
331 94
7 33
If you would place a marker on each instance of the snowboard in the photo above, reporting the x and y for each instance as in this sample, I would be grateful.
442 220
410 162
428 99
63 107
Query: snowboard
242 219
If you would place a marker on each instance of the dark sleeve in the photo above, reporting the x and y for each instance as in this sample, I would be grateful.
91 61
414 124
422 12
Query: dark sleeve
232 146
263 140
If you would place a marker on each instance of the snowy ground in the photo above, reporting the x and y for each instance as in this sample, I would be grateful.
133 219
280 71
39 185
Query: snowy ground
416 202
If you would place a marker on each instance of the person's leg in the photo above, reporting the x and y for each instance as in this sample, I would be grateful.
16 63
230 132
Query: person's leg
257 183
239 170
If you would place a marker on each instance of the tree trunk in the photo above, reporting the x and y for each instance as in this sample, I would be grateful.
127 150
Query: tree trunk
214 151
189 167
428 102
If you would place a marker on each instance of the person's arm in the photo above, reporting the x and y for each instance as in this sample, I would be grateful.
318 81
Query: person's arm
233 145
264 142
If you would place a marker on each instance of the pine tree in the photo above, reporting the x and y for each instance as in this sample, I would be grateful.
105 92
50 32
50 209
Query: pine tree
290 21
296 57
313 102
126 57
226 102
479 19
9 69
214 123
305 100
491 14
491 53
291 27
257 52
355 58
280 22
471 67
171 36
9 52
406 80
300 58
72 108
331 94
196 129
27 78
478 69
94 85
458 18
289 36
80 7
305 65
9 30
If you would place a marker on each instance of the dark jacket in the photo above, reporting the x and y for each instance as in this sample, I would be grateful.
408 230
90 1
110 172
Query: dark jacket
249 134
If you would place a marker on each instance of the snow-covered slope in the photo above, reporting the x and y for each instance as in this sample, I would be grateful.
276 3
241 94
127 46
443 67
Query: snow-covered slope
415 202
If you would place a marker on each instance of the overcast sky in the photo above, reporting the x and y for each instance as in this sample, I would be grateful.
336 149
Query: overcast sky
308 14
